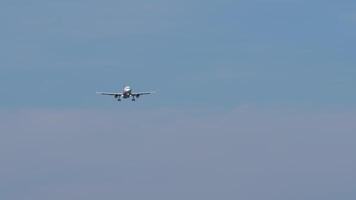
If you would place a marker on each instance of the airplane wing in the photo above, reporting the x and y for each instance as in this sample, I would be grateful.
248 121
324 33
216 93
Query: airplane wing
141 93
110 94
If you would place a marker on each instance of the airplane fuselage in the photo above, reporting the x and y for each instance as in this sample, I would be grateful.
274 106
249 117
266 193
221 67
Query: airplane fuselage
127 92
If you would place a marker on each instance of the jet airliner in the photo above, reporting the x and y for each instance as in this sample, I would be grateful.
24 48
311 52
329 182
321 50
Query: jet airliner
125 94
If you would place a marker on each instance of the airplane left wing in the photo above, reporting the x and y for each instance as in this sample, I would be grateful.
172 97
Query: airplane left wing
141 93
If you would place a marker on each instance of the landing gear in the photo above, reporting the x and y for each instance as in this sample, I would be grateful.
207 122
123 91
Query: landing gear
119 99
133 99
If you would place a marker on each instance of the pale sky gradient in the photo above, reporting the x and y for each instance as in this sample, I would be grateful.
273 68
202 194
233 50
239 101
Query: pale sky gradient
255 99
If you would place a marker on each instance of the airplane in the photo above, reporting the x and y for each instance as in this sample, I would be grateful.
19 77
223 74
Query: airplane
125 94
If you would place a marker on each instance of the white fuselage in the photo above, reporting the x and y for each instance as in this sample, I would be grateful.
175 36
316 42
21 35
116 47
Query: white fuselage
126 93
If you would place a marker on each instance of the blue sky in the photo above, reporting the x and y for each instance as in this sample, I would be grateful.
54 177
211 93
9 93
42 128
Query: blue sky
255 99
253 52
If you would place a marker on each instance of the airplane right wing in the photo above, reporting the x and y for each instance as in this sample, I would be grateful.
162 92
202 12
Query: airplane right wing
110 94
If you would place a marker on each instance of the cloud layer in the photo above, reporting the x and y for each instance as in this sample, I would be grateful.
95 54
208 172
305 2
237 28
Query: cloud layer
246 153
